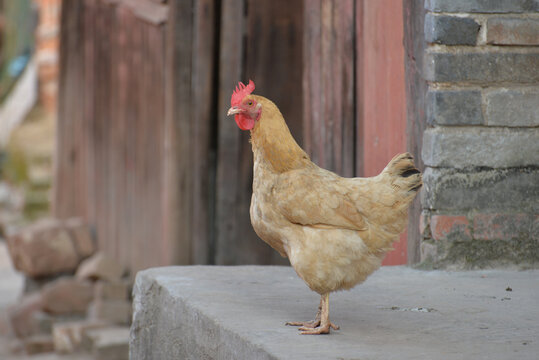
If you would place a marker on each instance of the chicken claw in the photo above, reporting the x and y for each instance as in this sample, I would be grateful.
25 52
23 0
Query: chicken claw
309 324
305 324
318 330
321 324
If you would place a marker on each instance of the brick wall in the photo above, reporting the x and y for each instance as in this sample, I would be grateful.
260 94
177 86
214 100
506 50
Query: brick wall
481 148
47 45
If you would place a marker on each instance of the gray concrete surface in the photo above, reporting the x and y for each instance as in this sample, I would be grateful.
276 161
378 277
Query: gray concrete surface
398 313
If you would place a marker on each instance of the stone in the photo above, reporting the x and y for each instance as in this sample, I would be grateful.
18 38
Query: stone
68 336
480 147
105 290
424 224
22 314
500 190
32 284
100 266
428 253
42 249
520 253
502 226
37 344
482 6
450 227
67 295
84 242
114 311
450 30
454 107
110 343
513 31
512 107
482 67
42 322
239 312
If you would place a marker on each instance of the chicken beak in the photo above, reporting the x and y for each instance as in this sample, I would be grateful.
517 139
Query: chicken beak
234 110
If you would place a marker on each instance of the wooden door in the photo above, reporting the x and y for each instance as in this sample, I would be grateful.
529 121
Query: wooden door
381 93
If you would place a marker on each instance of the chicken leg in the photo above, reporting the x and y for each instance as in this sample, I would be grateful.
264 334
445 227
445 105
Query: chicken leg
321 324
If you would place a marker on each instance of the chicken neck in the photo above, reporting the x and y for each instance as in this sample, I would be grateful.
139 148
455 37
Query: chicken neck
272 140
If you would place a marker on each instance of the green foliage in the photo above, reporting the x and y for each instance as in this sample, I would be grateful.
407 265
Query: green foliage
16 39
15 166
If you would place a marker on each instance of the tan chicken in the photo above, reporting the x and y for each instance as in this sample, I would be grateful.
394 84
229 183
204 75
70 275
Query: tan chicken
334 230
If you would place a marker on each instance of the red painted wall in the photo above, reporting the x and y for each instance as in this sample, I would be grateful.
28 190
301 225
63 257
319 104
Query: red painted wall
381 91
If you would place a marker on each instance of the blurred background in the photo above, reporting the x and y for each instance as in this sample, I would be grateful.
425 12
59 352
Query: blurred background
143 151
116 153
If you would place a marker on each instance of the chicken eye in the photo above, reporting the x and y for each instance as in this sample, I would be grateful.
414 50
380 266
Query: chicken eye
250 103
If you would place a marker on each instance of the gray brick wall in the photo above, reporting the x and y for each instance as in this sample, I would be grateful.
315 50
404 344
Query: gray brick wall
480 201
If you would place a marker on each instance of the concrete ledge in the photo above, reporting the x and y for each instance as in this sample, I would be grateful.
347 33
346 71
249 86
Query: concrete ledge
203 312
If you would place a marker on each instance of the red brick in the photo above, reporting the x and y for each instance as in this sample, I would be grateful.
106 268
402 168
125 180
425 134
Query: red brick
42 249
68 336
502 226
452 227
100 266
114 311
38 344
105 290
67 295
82 237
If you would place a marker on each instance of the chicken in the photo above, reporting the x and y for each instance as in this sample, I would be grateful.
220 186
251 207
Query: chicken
335 231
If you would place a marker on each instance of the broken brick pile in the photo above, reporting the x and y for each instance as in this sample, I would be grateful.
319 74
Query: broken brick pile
76 299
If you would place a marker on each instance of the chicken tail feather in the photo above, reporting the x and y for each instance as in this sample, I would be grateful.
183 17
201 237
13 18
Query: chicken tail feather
404 174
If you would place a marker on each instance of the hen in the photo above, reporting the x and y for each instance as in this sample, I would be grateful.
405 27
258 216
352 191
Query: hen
335 231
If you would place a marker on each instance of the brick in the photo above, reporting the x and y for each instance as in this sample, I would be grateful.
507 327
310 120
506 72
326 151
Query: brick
480 147
512 107
428 252
108 343
454 107
499 190
503 226
37 344
513 31
114 311
105 290
68 336
482 6
480 67
85 243
100 266
36 284
42 249
424 224
67 295
21 315
450 227
450 30
42 322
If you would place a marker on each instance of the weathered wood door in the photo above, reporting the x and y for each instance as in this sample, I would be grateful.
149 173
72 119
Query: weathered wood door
381 91
146 153
354 88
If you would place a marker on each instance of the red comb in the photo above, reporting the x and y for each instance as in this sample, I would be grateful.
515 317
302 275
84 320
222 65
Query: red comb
241 91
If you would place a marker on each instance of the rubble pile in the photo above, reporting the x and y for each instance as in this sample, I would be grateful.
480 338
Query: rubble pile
76 298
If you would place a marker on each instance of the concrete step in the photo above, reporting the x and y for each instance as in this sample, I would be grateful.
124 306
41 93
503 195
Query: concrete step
203 312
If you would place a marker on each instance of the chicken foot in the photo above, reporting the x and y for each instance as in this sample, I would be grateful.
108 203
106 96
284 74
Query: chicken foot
309 324
321 324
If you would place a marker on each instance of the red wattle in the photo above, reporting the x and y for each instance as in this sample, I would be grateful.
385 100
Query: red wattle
244 122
